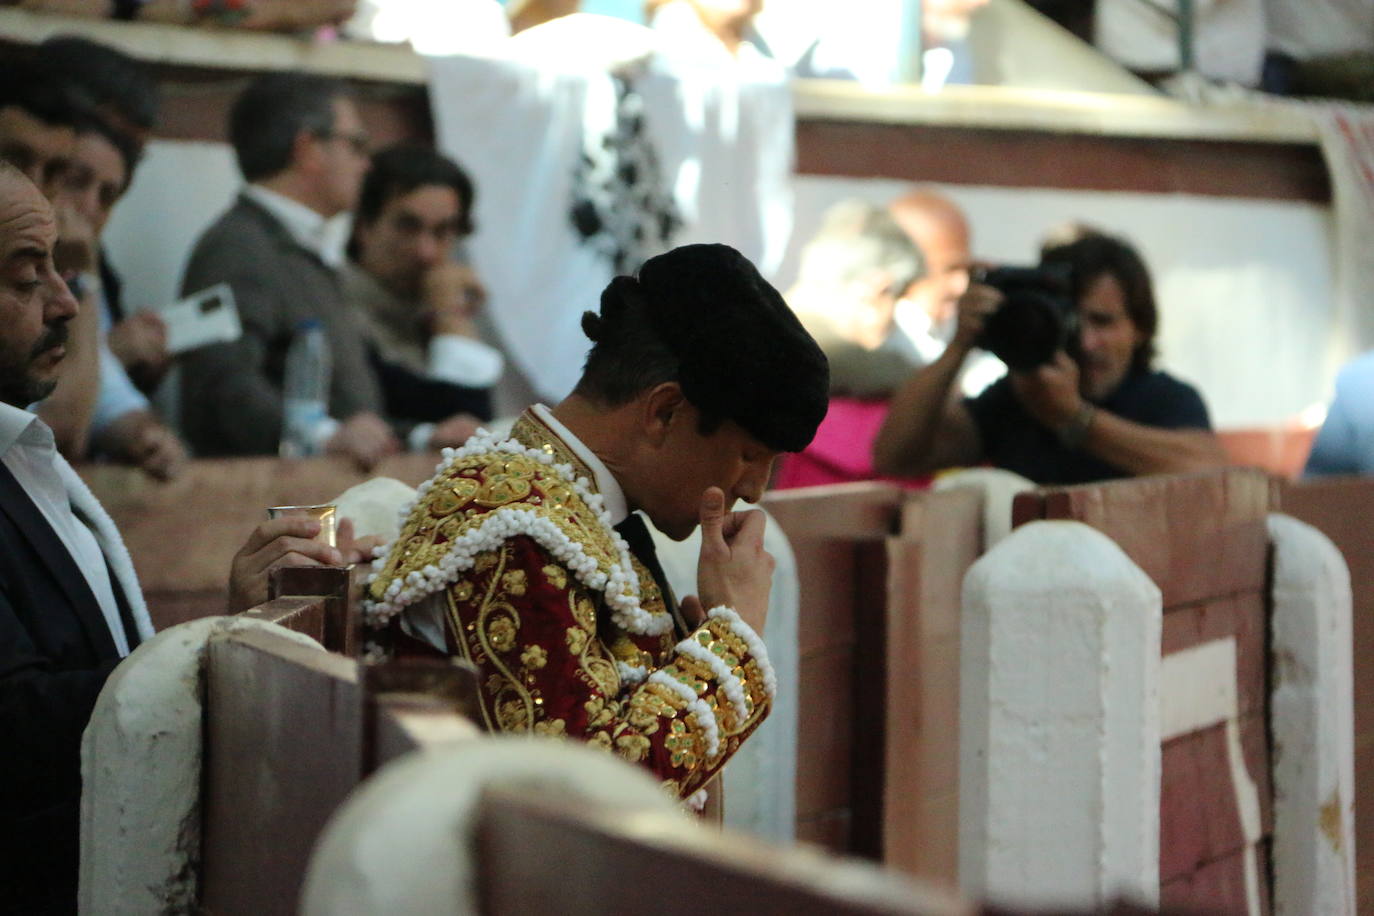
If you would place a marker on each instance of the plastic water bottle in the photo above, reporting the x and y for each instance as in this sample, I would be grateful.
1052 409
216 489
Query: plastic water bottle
305 389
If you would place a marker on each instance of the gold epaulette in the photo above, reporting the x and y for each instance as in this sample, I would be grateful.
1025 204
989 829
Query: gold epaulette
479 496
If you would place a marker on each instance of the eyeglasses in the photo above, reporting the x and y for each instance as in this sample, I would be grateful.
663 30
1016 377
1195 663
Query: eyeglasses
359 143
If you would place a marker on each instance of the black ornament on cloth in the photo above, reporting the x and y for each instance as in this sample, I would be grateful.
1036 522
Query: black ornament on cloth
619 205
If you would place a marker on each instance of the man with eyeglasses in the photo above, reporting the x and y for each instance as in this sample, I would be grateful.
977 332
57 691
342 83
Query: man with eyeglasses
302 148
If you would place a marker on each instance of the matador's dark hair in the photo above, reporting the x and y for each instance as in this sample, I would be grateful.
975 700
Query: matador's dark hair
702 316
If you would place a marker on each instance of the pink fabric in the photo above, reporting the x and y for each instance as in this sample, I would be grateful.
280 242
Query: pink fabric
842 451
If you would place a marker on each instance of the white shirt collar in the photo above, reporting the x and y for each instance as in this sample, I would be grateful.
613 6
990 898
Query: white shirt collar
606 484
325 238
18 424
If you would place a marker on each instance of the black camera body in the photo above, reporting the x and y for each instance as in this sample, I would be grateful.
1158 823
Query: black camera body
1037 318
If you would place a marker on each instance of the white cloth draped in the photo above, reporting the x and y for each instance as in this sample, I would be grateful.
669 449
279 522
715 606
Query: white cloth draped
723 139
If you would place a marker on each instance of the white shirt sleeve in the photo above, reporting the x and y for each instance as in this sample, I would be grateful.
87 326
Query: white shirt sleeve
464 361
118 395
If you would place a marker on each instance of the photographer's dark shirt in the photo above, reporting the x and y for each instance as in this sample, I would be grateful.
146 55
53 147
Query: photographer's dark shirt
1013 440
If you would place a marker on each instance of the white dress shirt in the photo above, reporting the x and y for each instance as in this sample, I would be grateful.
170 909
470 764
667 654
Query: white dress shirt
325 238
28 450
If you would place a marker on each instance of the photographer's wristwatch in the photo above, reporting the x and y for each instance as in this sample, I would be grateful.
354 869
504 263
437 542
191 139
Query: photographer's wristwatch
1074 433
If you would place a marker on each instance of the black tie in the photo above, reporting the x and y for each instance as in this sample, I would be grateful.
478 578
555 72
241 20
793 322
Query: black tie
641 543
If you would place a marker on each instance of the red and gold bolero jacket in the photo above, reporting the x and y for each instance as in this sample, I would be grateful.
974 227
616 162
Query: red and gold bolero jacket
568 630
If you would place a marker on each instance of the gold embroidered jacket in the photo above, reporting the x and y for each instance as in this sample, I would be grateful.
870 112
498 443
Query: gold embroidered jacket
570 633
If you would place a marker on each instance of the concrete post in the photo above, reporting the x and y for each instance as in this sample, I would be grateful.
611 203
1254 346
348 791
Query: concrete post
1059 722
140 774
1312 719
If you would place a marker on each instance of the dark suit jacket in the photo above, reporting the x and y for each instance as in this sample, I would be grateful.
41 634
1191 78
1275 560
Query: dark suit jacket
55 654
231 394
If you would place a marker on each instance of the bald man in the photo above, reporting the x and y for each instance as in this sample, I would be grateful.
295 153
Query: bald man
938 227
70 603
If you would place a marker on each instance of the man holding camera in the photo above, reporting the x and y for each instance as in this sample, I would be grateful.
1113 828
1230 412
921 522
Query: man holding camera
1102 414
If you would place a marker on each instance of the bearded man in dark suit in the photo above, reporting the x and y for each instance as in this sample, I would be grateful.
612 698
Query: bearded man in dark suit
70 604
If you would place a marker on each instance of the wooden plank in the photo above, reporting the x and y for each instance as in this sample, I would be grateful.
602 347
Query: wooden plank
283 748
1063 160
824 737
300 614
1242 617
220 501
837 534
850 511
605 864
342 622
1198 536
941 539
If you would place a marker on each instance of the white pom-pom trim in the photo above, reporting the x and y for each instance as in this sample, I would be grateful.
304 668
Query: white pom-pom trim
620 586
751 639
697 800
706 719
631 674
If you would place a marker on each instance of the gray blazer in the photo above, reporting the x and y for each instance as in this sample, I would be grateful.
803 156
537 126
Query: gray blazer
231 394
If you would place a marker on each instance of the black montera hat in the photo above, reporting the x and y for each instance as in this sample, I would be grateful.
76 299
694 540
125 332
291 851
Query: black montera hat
743 354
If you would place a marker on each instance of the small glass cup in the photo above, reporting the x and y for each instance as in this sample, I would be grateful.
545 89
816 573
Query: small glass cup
325 515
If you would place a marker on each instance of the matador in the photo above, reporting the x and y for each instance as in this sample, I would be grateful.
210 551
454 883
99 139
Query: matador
526 553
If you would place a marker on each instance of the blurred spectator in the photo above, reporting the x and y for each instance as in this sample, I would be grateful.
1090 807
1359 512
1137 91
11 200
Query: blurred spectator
124 426
258 15
938 227
697 22
417 303
852 273
928 311
119 88
301 146
1100 414
125 96
1345 443
1320 47
39 114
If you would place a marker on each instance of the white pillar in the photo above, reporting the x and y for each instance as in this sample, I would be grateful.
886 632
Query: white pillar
1312 719
140 774
1059 722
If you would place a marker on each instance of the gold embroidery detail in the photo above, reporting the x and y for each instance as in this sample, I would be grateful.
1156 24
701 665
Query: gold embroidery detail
501 634
603 674
506 479
514 582
584 612
534 657
462 591
554 728
557 576
683 745
600 741
577 640
599 712
633 748
513 716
